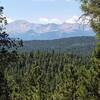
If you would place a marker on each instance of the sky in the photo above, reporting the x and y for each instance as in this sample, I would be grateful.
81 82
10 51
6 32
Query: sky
42 11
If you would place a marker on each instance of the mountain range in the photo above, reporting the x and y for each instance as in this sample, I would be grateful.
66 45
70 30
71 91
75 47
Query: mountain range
30 31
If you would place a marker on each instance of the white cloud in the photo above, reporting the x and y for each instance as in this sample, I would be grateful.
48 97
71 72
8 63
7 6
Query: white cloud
73 19
43 20
85 20
9 20
78 19
57 21
46 21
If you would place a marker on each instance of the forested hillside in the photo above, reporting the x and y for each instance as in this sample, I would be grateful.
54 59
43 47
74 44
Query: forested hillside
61 69
75 45
52 76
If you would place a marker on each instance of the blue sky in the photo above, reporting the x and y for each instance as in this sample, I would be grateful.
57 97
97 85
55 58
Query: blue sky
42 11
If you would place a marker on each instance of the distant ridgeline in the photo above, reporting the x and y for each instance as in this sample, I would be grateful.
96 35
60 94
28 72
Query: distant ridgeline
76 45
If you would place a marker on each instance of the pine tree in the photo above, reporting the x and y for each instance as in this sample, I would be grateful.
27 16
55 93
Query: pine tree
91 9
8 55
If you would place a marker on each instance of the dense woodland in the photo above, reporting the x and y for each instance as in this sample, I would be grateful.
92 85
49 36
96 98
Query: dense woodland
43 75
75 45
52 76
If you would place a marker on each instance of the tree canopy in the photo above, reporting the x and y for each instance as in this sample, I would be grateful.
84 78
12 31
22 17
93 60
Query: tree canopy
91 8
8 55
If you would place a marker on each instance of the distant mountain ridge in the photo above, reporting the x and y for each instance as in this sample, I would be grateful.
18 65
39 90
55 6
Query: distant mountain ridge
30 31
77 45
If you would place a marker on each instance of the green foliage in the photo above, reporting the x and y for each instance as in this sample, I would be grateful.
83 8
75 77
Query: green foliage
91 8
53 76
49 75
8 55
74 45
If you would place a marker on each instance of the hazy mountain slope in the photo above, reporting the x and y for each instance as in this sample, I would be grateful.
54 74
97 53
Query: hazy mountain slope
76 45
30 31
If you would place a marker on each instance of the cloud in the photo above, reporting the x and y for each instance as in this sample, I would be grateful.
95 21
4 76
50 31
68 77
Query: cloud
43 20
77 19
73 19
9 20
46 21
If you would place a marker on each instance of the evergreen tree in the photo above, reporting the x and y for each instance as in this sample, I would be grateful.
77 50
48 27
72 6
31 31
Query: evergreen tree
8 55
91 9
